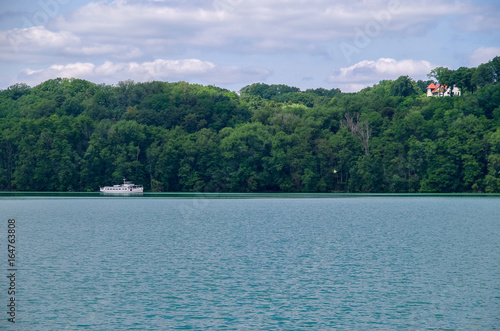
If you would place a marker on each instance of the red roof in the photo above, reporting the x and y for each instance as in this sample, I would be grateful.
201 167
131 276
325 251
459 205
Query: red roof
431 86
438 88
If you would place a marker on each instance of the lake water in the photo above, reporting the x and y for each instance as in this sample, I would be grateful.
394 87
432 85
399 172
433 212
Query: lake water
153 263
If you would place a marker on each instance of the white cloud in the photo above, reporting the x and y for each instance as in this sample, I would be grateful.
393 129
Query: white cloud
76 70
136 31
483 55
367 73
35 40
126 30
267 24
160 69
481 18
37 43
132 20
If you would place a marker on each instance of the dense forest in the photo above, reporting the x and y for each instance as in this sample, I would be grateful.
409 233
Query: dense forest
74 135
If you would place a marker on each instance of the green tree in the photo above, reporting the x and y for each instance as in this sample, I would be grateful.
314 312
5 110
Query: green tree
463 78
243 150
404 86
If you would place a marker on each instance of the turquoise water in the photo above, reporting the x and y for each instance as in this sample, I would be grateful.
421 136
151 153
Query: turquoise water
153 263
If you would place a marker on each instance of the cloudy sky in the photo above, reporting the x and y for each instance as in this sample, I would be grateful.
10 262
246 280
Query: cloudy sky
346 44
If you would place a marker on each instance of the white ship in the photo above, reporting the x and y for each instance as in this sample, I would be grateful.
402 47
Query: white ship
126 188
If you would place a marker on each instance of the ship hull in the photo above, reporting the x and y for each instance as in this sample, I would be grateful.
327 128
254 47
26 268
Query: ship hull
120 191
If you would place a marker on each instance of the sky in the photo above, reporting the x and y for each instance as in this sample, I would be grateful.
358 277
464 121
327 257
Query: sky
346 44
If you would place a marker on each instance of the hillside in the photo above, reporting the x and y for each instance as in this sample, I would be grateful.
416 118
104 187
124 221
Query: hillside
74 135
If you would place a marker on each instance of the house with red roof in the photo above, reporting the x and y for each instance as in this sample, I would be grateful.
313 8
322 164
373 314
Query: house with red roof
441 90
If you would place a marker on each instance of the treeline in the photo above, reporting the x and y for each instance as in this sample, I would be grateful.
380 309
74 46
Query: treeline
74 135
469 79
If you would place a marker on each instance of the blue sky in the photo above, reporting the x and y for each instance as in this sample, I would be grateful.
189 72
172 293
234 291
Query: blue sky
344 44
